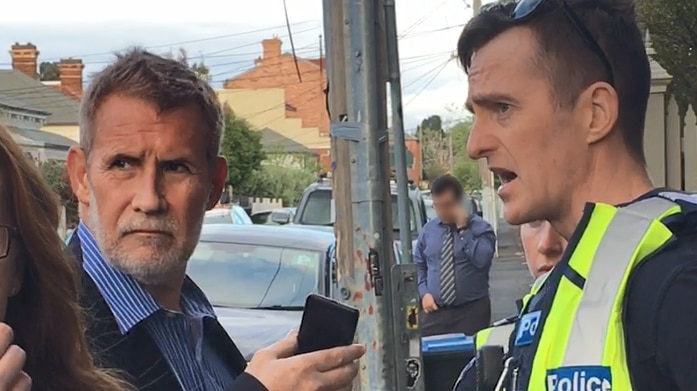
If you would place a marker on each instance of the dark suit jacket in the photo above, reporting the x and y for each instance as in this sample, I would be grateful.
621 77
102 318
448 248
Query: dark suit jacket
136 354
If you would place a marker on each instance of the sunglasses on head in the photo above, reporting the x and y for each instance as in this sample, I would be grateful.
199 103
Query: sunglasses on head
529 9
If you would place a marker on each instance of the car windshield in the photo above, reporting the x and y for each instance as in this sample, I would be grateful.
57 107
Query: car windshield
242 275
318 210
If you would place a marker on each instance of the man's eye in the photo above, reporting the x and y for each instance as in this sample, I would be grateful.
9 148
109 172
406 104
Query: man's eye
174 167
504 107
120 164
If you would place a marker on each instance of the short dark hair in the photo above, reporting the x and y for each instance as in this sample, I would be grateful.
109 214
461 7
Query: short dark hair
568 62
166 83
447 183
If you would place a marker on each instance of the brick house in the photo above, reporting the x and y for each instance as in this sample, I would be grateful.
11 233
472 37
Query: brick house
301 100
304 99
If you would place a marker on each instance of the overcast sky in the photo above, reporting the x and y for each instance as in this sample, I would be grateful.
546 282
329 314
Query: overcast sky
227 35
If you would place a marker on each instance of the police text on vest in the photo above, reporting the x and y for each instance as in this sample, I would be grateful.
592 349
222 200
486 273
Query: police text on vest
585 378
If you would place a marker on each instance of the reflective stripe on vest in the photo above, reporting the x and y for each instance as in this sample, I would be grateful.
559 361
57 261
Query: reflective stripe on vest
534 289
582 342
495 335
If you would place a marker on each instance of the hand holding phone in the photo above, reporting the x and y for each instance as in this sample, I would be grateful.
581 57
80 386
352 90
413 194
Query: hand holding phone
326 324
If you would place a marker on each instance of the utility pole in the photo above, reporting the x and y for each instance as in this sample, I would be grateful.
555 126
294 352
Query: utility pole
405 296
476 5
359 151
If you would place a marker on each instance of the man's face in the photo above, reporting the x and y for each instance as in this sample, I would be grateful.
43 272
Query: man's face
532 145
543 246
446 206
146 186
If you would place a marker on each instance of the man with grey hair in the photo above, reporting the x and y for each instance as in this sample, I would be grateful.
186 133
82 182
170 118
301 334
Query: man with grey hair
145 172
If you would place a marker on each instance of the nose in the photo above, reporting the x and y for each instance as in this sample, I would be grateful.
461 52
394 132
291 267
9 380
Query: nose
149 198
479 143
550 243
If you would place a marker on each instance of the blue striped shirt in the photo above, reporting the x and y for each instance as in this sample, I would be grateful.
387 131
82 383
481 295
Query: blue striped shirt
179 335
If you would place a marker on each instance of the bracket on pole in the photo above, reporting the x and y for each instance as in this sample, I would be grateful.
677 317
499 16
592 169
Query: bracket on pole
351 131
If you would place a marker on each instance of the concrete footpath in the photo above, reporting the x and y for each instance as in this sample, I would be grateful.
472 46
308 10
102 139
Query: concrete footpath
510 278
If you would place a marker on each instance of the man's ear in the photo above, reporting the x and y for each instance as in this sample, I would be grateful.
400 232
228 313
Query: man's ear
218 178
602 105
77 171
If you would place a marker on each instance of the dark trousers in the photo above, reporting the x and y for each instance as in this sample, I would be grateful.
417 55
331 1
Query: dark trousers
468 318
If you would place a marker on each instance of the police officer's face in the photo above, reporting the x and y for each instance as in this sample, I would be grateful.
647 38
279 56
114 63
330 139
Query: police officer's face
529 142
543 246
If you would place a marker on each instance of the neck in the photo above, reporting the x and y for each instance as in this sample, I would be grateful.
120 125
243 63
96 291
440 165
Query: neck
624 182
168 293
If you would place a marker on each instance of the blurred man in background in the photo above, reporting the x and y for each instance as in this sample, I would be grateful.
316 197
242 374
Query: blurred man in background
453 257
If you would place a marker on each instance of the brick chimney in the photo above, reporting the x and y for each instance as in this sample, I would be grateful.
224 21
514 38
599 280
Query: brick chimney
272 50
71 76
25 58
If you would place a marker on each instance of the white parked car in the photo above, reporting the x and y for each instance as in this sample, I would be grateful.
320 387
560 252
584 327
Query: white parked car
235 215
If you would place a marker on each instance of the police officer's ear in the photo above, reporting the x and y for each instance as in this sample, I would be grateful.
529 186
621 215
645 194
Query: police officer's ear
599 107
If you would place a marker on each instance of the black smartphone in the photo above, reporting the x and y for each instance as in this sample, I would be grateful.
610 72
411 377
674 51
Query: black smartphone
326 324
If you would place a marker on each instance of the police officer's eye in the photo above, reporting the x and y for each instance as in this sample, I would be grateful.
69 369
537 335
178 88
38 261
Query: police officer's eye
504 107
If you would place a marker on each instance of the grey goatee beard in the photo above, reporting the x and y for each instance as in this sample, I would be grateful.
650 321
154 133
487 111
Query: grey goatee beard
167 259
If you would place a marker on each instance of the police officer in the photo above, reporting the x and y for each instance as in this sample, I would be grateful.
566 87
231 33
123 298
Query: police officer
542 247
560 90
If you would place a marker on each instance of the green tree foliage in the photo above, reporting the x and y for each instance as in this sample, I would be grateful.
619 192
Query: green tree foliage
242 148
434 147
56 175
49 71
200 68
464 168
433 122
671 24
286 183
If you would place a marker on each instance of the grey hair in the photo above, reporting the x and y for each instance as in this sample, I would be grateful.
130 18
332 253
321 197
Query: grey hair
166 83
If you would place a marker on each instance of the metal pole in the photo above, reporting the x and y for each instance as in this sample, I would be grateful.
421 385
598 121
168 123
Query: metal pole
363 233
400 153
406 340
476 5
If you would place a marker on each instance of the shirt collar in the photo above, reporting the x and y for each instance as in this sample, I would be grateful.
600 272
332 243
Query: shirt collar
128 301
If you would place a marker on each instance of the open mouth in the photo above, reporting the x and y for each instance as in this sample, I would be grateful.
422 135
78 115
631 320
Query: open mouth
505 176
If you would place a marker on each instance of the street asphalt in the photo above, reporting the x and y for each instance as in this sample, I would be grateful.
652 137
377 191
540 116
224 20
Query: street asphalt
510 278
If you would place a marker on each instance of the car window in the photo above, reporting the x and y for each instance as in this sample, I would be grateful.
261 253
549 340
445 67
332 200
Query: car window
240 216
318 210
251 276
262 218
218 218
430 210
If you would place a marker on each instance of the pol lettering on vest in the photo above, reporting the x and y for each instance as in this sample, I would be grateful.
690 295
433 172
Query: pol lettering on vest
587 378
527 328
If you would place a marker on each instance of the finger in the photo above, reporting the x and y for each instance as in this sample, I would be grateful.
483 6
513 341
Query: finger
338 378
6 337
325 360
11 365
283 348
22 383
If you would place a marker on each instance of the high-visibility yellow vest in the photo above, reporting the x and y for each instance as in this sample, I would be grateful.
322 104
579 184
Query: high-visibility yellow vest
581 346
